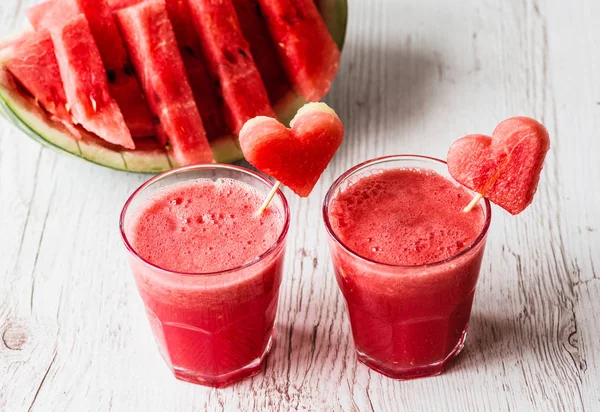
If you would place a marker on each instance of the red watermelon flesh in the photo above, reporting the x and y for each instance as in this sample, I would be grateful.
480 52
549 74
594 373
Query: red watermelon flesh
297 156
230 61
505 167
123 85
307 51
34 65
263 49
85 83
151 42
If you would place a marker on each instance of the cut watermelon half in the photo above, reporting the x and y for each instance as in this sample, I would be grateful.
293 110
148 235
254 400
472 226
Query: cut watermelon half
307 50
21 110
123 86
85 83
230 62
151 41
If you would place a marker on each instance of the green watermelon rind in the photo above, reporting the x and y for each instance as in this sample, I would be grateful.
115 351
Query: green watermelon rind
27 116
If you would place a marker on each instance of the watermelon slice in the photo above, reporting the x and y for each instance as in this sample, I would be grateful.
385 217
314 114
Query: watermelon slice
34 65
263 49
123 86
85 82
307 50
205 92
505 167
151 41
297 156
230 61
149 156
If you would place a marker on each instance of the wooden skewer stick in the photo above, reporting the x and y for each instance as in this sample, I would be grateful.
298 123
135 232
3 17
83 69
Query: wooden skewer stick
471 205
269 197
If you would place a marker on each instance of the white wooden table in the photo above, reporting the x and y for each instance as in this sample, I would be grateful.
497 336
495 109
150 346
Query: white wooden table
415 75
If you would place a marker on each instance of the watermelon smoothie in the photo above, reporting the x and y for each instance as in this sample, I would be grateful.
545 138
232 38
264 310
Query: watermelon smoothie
208 268
407 260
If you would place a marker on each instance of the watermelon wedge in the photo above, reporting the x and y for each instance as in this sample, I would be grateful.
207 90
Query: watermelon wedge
307 50
85 83
204 89
206 93
123 86
34 65
230 61
150 38
27 114
263 48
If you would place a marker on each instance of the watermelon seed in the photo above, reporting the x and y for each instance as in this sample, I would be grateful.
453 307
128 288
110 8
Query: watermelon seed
111 75
189 51
156 120
243 53
128 69
93 103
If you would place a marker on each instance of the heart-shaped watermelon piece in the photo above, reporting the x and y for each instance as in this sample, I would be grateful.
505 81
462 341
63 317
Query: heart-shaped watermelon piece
296 156
505 167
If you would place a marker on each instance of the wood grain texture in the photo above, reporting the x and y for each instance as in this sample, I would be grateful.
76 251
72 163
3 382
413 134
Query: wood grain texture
415 75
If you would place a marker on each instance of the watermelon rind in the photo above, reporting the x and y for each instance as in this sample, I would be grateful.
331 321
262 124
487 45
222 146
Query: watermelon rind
23 112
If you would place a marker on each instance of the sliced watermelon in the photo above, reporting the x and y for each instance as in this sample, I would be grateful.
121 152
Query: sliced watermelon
149 156
123 86
151 42
34 65
230 61
86 85
206 94
263 49
307 50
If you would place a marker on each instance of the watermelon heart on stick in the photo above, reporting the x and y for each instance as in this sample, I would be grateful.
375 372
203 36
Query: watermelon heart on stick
295 157
506 167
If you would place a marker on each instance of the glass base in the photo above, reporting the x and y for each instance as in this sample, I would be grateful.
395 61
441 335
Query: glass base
220 381
423 371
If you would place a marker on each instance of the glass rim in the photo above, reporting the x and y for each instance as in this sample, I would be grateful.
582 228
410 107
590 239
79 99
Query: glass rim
383 159
215 166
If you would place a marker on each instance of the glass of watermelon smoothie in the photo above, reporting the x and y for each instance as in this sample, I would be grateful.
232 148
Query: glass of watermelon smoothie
407 260
208 268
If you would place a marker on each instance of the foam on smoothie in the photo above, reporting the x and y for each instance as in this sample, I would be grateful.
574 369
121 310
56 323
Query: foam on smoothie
405 217
204 226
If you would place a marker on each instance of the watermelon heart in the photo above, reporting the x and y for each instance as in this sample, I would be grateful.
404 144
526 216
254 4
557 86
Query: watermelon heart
297 156
505 167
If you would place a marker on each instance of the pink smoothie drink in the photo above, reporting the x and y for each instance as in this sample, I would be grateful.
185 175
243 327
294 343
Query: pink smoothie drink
407 259
208 269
